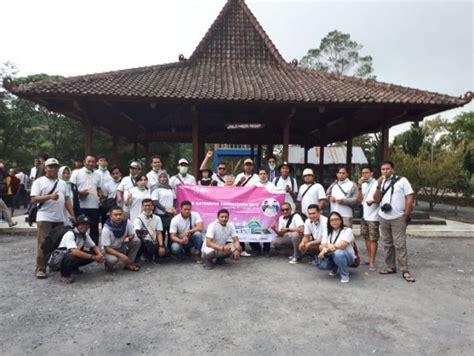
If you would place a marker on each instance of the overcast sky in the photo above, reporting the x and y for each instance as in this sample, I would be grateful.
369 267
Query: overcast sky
426 44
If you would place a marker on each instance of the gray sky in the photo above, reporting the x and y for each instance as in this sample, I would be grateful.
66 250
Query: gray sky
426 44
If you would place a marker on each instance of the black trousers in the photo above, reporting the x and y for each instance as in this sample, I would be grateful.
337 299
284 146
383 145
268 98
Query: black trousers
255 246
71 263
93 215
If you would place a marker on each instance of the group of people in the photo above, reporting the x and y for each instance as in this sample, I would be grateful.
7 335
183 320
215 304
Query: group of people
140 219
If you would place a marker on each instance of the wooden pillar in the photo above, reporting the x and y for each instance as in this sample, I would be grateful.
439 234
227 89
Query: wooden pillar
259 156
286 135
385 140
135 150
115 155
87 136
306 149
146 146
196 141
321 164
349 148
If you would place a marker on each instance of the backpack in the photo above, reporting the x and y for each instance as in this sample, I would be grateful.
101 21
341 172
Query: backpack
290 219
53 240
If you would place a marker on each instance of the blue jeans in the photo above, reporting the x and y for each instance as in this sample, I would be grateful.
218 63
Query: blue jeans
195 240
340 260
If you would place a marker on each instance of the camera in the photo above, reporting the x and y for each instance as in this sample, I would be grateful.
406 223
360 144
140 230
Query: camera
141 233
386 208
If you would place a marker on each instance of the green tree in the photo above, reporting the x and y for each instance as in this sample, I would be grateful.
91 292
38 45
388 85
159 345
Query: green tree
338 53
411 140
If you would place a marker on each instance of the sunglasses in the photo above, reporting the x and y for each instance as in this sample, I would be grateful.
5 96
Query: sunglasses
221 168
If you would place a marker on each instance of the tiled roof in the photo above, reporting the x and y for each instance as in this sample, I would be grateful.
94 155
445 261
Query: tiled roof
235 61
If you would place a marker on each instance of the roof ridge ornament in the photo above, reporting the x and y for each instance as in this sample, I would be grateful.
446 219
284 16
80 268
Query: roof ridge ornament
467 97
182 58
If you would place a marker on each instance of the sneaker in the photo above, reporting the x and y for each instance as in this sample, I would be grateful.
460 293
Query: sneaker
333 273
345 279
290 257
198 259
67 280
295 260
245 254
40 274
267 253
13 224
208 265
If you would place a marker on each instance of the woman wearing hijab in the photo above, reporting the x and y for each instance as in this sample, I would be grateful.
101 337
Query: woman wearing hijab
64 174
163 198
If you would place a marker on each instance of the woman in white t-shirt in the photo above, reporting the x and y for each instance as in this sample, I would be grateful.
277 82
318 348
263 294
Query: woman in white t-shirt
163 197
136 195
337 251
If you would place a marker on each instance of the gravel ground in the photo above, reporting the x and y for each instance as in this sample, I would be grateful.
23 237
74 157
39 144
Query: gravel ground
258 306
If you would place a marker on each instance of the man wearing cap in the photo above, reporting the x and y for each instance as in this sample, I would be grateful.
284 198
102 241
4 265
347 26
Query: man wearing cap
81 250
53 196
182 177
342 194
247 178
88 183
128 182
310 192
287 184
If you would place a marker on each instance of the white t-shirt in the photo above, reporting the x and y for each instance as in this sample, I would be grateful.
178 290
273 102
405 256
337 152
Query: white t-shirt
152 225
23 178
281 184
33 172
165 197
343 209
70 241
370 213
135 206
179 225
108 238
345 235
153 177
313 196
125 185
104 176
109 189
250 183
89 181
188 179
220 180
401 189
296 222
317 229
220 234
268 185
51 210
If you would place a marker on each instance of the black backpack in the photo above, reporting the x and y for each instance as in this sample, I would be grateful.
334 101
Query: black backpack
290 219
53 240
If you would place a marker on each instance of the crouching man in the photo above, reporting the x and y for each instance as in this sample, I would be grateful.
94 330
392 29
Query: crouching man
119 241
216 247
315 229
76 242
149 228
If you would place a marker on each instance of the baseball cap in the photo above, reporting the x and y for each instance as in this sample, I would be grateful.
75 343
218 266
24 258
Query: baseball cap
183 161
285 164
135 164
51 162
248 160
308 172
82 219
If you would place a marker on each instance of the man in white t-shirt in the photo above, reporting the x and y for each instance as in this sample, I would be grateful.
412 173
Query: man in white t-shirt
263 180
289 232
186 232
128 183
182 177
247 178
315 229
310 192
119 242
88 183
394 195
81 250
156 169
53 196
221 241
369 224
103 169
287 184
342 194
149 228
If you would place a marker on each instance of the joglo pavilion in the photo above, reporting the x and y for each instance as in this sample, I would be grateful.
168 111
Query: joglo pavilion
234 88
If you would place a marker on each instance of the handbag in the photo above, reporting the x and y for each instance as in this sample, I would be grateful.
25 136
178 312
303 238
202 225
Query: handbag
56 259
33 208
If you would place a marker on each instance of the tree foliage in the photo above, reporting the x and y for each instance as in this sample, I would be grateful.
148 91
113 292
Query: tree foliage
338 53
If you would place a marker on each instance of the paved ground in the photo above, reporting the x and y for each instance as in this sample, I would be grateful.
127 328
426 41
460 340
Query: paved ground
463 214
259 306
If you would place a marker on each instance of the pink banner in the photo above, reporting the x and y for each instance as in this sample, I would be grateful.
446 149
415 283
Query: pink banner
252 209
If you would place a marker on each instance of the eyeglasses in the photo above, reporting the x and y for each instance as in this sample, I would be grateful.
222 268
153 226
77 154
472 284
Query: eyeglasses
221 168
285 210
335 219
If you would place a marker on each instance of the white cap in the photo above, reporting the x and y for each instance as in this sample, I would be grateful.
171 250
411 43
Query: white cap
135 164
308 172
183 160
51 162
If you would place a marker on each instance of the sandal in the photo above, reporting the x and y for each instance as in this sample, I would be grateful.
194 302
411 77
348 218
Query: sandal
372 268
408 277
66 280
388 271
132 267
